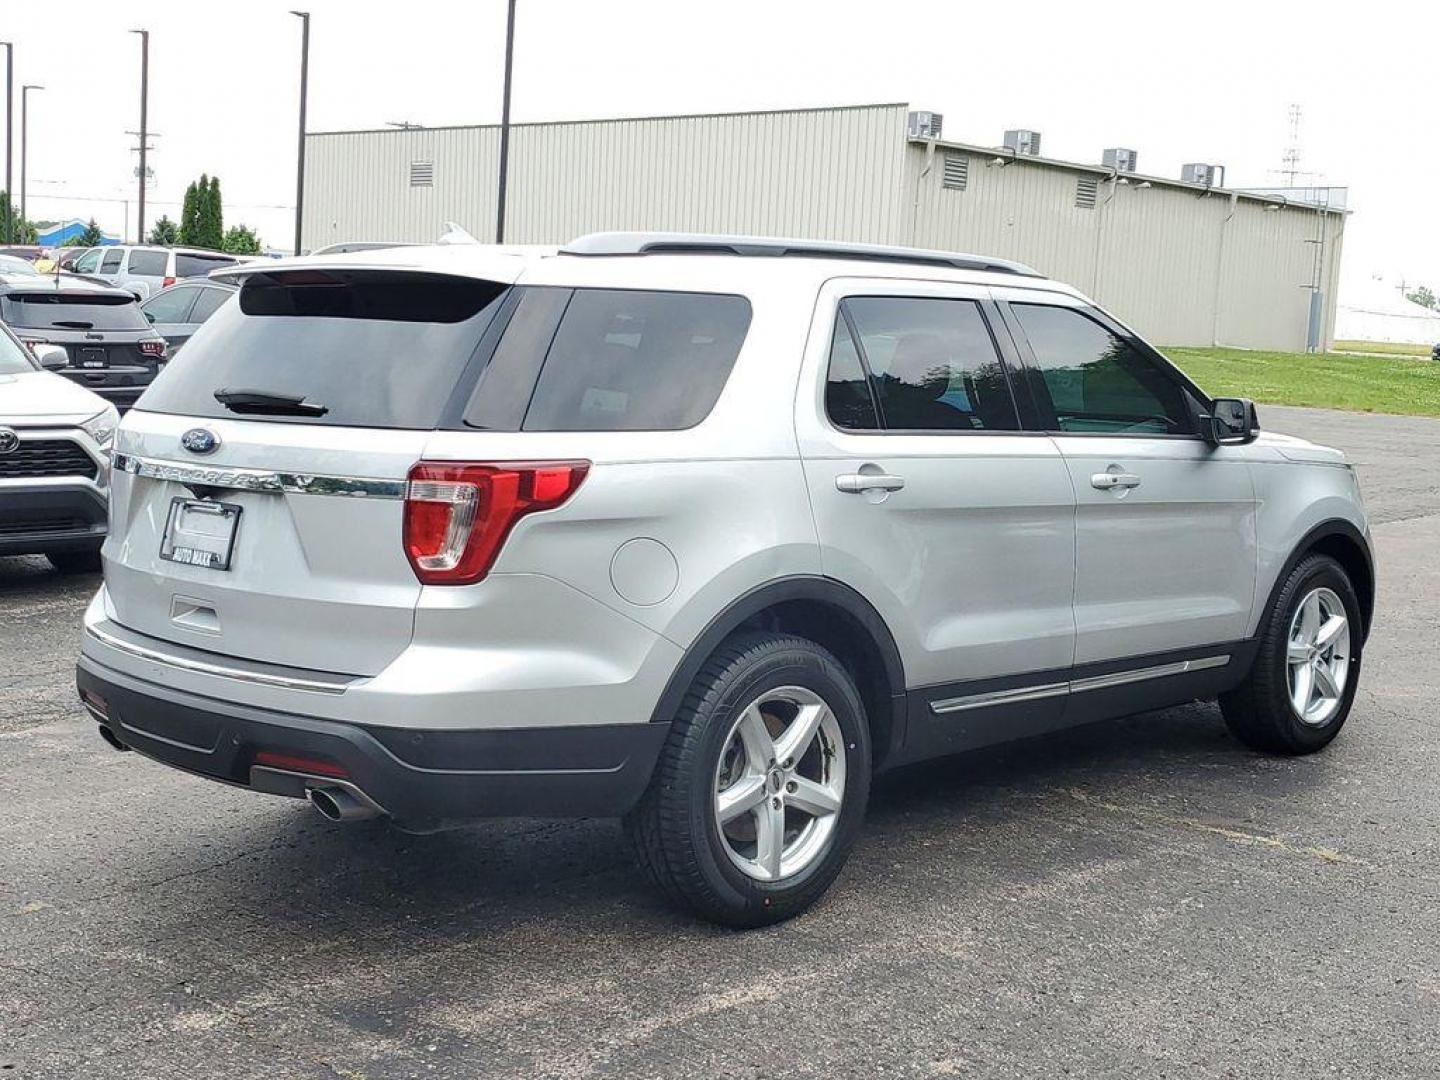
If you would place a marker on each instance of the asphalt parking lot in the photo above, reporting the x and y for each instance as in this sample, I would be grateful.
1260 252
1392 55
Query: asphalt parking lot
1138 898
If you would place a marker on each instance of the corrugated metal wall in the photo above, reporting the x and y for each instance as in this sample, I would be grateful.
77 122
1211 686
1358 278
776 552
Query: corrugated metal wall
1181 266
829 173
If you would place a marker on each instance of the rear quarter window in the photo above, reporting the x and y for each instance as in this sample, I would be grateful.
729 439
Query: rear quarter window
148 263
612 360
200 265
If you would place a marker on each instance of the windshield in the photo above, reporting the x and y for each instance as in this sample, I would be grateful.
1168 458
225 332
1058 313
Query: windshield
353 348
14 360
73 311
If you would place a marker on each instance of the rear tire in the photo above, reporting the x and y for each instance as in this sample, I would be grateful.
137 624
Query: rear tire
75 560
1289 703
738 825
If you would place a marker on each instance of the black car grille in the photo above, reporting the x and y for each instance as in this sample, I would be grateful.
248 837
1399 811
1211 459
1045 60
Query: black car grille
47 457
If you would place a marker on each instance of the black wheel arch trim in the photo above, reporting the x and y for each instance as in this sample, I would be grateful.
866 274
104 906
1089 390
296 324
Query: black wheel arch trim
1334 527
812 587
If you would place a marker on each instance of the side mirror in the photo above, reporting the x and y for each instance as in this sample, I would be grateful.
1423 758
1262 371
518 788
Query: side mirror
1231 421
52 357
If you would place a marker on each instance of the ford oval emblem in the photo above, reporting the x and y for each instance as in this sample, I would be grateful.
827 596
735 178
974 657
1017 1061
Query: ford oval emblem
199 440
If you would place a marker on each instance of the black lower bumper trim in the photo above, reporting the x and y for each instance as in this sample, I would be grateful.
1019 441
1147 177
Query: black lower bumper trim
414 775
59 516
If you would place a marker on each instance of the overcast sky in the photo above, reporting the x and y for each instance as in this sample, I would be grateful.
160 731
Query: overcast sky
1178 82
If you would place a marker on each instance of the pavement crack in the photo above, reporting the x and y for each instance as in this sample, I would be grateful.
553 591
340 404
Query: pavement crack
1238 836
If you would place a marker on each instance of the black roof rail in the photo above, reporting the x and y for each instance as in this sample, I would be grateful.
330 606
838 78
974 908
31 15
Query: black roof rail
640 243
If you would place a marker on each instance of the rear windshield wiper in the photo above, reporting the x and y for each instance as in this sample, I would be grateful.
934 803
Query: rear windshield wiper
73 324
265 402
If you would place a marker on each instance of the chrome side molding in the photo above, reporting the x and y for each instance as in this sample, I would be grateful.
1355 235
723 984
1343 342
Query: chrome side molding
237 479
1075 686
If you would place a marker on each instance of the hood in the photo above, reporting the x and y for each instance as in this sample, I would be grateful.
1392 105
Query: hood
1292 448
35 397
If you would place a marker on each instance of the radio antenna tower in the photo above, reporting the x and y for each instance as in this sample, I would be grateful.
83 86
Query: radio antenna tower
1290 160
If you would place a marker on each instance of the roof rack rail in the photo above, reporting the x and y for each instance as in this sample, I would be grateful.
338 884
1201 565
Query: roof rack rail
641 243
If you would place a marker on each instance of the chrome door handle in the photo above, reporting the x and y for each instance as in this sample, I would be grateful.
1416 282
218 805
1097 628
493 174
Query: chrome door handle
854 483
1107 480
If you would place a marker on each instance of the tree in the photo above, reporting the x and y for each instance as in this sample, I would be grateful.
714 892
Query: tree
24 230
165 233
190 212
213 218
90 236
241 240
1424 297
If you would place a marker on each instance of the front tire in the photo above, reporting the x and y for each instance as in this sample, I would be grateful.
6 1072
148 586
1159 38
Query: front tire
1299 691
761 788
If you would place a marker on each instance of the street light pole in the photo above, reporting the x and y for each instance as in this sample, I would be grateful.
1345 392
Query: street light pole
505 126
304 17
9 138
144 132
24 134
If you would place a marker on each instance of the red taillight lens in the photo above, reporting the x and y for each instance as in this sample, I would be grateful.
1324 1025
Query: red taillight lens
154 349
458 514
165 283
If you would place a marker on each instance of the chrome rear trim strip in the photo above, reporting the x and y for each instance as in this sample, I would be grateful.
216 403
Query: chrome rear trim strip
236 479
185 663
1076 686
999 697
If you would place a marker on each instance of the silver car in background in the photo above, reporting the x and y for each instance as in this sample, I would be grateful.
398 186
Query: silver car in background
697 531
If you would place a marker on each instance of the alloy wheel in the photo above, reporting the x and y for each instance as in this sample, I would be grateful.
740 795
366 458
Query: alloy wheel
1318 656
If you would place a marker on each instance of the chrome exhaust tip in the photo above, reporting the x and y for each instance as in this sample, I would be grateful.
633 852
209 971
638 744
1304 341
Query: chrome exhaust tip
339 805
111 738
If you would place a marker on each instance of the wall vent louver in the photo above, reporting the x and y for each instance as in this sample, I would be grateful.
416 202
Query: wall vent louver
422 174
957 171
1086 188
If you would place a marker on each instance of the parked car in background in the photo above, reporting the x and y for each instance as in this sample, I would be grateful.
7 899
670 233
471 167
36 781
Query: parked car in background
13 264
110 346
145 270
177 312
65 257
28 252
697 531
55 441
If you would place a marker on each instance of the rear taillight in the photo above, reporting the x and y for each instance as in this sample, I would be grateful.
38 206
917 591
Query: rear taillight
153 349
165 283
458 514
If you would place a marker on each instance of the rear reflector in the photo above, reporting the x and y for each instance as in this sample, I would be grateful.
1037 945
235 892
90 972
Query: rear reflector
291 763
458 514
165 283
96 704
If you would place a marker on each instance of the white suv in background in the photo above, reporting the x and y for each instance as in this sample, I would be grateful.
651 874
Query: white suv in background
698 531
144 270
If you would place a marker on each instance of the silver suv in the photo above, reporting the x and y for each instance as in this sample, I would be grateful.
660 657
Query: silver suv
698 531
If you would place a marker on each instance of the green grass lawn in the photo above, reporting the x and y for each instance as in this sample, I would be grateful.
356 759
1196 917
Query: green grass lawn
1390 347
1326 381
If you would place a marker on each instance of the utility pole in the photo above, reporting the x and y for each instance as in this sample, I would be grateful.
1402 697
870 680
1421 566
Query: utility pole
24 136
9 138
304 17
505 125
144 133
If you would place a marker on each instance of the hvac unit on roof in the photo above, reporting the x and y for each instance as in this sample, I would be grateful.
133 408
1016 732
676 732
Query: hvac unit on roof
1023 141
924 125
1198 172
1120 159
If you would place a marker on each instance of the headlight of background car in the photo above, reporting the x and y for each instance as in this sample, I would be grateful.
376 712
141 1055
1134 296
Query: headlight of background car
101 428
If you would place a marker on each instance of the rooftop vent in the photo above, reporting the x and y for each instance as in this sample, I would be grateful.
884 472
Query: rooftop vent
924 125
422 174
957 170
1198 172
1120 159
1023 141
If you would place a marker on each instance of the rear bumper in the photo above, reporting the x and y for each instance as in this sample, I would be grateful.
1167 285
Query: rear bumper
415 776
52 516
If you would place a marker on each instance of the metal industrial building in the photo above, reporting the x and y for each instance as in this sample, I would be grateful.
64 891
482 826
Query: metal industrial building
1184 263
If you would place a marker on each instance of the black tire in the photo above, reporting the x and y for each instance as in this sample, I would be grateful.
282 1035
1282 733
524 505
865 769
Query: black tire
673 829
1258 711
75 560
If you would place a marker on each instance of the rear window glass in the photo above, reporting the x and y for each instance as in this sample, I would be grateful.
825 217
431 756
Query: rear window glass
620 360
199 265
148 263
68 311
373 348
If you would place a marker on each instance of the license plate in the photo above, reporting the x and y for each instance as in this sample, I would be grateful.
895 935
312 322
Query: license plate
200 533
94 358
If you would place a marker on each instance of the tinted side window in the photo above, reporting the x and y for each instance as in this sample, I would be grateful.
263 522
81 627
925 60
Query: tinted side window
626 360
848 401
208 303
87 263
199 265
112 261
170 306
148 263
933 364
1098 382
